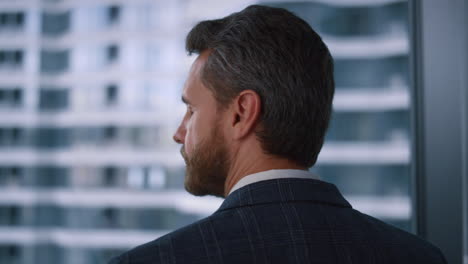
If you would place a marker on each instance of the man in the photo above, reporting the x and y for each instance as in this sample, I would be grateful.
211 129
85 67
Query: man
259 99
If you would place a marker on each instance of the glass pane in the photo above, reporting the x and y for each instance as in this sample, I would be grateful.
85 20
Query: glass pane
90 97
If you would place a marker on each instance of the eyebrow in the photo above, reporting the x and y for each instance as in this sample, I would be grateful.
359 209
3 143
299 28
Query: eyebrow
185 100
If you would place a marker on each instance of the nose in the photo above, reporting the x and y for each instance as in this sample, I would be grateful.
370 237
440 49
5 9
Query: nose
179 135
176 139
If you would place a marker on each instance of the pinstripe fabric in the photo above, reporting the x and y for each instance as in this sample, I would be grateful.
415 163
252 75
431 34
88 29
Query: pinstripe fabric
286 221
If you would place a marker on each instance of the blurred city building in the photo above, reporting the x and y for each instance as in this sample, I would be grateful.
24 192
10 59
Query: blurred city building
90 97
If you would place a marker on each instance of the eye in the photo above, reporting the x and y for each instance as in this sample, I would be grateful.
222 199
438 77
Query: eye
189 111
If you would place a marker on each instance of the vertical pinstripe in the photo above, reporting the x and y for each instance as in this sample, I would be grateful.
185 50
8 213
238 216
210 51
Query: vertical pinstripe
205 245
215 239
249 235
288 222
210 242
250 214
332 234
166 251
299 224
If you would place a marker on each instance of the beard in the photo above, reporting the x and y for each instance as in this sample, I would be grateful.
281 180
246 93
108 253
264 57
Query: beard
207 166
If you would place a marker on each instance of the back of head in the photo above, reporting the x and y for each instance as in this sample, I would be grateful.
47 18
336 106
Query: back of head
279 56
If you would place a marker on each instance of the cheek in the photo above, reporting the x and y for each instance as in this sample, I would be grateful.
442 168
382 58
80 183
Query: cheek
190 137
197 129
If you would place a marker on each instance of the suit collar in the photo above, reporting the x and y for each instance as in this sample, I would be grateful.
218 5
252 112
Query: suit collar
285 190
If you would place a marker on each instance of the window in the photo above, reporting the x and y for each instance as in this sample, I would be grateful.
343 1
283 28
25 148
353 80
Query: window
11 20
48 252
156 178
18 57
113 14
110 176
112 94
52 137
110 217
11 97
11 59
12 136
10 215
48 215
53 99
109 134
17 97
54 24
16 135
2 136
20 18
53 61
10 254
16 171
11 176
112 53
367 154
51 176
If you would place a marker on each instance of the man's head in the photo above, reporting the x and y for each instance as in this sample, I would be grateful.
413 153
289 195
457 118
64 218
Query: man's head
263 76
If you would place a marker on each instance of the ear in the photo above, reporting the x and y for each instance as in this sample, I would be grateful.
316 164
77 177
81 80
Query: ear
246 113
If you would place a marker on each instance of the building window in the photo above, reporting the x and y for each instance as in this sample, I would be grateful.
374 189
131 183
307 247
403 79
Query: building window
11 136
10 215
2 136
156 178
53 99
54 61
55 23
113 14
110 217
11 20
112 53
110 133
20 19
16 135
110 176
18 57
11 58
51 176
16 171
17 97
48 215
11 175
112 94
53 137
11 97
10 253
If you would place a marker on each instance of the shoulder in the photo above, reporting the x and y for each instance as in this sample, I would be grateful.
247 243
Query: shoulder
395 241
182 244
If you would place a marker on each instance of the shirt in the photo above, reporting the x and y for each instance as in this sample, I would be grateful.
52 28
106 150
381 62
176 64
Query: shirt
272 174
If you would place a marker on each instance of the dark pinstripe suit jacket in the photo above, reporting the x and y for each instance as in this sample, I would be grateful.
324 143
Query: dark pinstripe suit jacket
286 221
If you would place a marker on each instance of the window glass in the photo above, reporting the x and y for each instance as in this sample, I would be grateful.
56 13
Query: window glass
11 59
54 24
53 99
90 157
54 61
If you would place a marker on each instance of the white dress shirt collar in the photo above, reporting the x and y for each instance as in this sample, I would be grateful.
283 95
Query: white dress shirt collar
270 175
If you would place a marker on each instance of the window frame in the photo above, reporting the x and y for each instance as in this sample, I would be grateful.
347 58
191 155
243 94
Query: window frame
439 59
